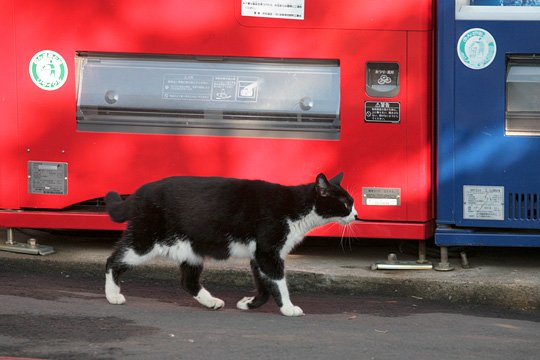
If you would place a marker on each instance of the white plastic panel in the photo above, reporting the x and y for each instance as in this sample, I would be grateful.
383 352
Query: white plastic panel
469 10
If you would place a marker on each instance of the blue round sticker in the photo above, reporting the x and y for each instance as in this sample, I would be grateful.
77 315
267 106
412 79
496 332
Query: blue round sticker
476 48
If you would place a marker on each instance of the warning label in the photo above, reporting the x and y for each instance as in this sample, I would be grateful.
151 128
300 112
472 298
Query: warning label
280 9
187 87
483 202
381 111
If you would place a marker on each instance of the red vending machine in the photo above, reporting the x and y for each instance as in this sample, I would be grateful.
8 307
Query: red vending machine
101 94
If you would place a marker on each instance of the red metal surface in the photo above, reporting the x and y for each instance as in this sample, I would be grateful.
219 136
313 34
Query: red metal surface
101 221
58 220
38 125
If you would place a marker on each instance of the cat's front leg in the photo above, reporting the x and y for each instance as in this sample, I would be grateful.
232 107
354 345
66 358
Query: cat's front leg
287 308
191 283
253 302
272 274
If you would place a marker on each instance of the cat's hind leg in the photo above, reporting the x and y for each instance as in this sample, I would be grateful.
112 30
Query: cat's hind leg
123 257
191 275
113 270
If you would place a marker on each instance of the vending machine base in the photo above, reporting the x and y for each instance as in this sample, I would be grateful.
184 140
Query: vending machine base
451 236
99 220
31 247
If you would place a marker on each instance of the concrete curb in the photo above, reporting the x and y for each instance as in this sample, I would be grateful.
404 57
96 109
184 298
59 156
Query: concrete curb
510 296
515 297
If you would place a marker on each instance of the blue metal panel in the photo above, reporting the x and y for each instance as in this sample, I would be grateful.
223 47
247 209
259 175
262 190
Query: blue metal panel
473 148
445 113
453 237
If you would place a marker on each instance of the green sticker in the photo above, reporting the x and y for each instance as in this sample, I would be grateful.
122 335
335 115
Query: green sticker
476 48
48 70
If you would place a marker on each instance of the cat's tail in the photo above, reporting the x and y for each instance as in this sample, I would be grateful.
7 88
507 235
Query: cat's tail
117 208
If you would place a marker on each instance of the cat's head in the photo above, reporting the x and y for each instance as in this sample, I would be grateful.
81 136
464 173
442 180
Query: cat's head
333 202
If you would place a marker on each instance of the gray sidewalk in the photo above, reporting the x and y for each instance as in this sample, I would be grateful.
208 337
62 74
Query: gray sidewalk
504 277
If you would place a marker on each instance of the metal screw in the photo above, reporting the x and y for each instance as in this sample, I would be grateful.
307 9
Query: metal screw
32 243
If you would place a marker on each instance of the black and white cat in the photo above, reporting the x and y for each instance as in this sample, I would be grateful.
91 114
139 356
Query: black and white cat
190 218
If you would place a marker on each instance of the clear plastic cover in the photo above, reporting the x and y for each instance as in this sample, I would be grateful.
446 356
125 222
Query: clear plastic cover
523 95
215 96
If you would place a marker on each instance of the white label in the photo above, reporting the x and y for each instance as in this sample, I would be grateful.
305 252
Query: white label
48 70
378 202
476 48
280 9
483 202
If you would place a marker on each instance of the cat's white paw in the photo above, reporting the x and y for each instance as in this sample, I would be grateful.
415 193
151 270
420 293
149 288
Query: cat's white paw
112 291
116 299
291 310
243 304
206 299
217 304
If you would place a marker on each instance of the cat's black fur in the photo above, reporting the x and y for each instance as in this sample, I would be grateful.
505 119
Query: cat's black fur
190 218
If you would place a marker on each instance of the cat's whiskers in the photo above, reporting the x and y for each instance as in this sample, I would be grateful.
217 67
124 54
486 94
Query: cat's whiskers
346 237
343 238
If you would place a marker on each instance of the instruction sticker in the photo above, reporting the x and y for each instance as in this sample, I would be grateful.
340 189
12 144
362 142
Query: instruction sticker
279 9
199 87
483 202
224 87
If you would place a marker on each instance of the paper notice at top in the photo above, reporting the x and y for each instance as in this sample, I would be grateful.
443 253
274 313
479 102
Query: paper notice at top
279 9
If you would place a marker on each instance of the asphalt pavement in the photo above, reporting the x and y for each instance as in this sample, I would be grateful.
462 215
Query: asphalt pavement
508 278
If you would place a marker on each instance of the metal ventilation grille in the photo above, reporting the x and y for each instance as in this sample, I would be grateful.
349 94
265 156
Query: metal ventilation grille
523 206
205 119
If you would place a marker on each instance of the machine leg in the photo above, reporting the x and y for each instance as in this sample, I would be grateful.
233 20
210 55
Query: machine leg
422 252
464 260
9 236
444 265
31 247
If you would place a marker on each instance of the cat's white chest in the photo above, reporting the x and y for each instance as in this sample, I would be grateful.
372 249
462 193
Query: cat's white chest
298 229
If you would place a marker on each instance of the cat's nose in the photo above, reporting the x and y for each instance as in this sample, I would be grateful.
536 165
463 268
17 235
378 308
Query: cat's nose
354 214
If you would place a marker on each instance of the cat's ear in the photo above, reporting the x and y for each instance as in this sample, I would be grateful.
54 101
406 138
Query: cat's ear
337 179
322 185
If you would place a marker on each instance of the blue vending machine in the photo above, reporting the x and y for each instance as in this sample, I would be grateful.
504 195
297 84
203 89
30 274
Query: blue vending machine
488 132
